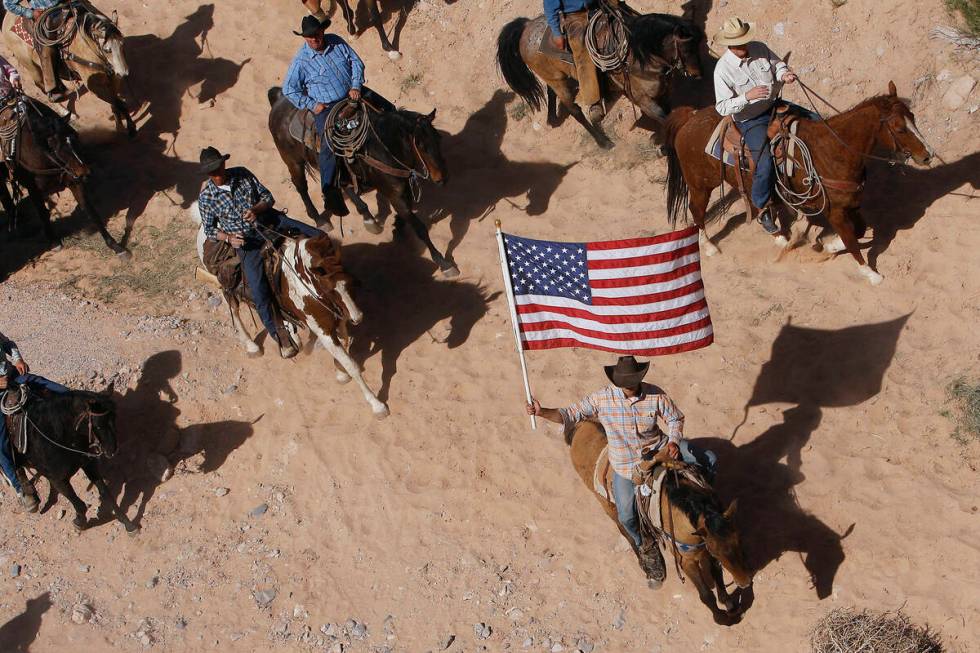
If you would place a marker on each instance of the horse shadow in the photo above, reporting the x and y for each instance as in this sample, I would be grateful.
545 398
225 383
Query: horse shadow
387 9
21 238
17 635
890 207
486 176
397 315
814 369
149 437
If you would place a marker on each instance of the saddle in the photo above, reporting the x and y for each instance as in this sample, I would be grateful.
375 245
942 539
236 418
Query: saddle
540 39
12 117
14 400
302 128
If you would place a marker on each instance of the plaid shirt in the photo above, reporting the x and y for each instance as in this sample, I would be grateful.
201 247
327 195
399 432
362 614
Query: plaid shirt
323 77
630 424
223 210
15 6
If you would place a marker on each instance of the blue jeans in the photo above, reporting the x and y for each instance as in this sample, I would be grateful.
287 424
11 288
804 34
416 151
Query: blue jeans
250 255
34 382
624 492
327 160
755 132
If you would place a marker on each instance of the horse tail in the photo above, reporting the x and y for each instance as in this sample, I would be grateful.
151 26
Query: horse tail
676 184
513 67
274 94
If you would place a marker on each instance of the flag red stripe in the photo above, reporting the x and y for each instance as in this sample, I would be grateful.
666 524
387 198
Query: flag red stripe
523 309
636 261
626 282
656 351
633 300
642 242
605 335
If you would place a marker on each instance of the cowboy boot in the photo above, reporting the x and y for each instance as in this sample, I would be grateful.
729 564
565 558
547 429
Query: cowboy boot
287 348
767 220
652 563
28 495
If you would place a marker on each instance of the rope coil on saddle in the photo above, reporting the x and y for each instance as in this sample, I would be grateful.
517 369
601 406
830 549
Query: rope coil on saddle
18 404
813 187
348 134
610 53
56 25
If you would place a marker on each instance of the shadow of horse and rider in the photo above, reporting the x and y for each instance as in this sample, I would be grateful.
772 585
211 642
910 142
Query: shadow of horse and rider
813 369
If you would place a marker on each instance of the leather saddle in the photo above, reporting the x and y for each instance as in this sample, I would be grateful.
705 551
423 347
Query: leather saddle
733 145
302 126
14 399
540 39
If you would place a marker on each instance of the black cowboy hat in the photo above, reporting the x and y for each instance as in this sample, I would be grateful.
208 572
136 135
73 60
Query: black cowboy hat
211 159
311 25
626 373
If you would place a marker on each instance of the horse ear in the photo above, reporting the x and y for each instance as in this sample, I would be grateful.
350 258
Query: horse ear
109 390
892 90
431 116
115 18
731 509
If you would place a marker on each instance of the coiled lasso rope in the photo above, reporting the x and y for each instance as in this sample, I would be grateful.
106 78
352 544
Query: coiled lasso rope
348 139
20 403
613 53
813 188
50 35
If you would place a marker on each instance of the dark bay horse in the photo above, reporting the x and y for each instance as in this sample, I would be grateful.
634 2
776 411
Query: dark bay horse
401 149
69 432
839 150
660 45
47 161
704 530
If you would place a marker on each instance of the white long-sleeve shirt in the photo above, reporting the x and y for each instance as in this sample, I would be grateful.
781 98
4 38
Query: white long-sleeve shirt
8 348
8 75
734 77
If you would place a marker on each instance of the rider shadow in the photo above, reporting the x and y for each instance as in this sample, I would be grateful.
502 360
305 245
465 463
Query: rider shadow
814 369
17 635
483 176
889 209
187 62
149 436
419 304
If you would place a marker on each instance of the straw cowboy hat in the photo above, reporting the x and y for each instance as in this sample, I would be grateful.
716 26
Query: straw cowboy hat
626 373
734 31
211 159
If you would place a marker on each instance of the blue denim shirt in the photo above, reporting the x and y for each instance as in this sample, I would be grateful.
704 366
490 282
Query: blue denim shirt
553 7
323 77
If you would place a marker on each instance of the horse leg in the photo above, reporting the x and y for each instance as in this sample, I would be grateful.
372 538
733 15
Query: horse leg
693 570
92 471
234 309
41 208
566 95
85 204
348 13
380 26
64 488
698 199
840 220
724 597
404 210
343 358
552 107
371 223
8 204
297 174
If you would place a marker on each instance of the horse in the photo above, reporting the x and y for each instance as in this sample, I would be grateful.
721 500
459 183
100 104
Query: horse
69 432
660 46
704 532
92 52
839 148
313 290
47 161
402 147
316 9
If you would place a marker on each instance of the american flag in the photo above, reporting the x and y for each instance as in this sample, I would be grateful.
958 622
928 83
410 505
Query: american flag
640 296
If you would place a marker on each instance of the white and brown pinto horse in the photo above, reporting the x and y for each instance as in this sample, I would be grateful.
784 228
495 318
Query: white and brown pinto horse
314 290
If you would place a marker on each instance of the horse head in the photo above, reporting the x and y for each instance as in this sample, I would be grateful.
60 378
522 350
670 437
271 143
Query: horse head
57 141
98 420
321 258
664 39
717 530
683 50
107 41
898 132
426 142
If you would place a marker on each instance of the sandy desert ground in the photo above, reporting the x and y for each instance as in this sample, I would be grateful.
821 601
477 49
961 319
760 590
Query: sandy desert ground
409 534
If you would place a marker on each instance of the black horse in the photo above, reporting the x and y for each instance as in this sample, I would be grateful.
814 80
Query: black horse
69 432
47 161
401 149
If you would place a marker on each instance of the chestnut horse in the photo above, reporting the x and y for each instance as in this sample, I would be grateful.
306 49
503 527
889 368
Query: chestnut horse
660 45
704 530
839 149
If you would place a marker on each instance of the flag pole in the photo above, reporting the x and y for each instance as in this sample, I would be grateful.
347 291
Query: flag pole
505 270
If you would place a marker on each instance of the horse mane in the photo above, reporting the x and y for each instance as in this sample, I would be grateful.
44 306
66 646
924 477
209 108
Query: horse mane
648 31
695 502
883 101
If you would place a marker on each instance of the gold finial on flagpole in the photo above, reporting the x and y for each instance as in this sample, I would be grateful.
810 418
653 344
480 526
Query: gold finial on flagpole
497 223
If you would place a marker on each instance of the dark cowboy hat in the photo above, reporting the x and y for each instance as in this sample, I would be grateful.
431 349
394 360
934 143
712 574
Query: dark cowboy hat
211 159
311 25
626 373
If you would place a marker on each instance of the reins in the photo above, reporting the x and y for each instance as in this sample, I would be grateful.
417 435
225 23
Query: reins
92 440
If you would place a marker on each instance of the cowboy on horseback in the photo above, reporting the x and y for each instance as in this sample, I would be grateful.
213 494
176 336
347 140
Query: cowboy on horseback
14 374
325 71
628 411
748 79
48 53
568 20
235 208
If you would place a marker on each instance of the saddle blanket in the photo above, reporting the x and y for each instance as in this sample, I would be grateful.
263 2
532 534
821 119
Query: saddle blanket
715 149
21 29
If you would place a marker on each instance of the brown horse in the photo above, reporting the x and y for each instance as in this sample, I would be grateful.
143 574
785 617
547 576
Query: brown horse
660 45
839 149
704 532
94 56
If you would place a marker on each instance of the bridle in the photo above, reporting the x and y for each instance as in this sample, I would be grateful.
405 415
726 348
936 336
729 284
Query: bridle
84 22
94 445
61 166
678 64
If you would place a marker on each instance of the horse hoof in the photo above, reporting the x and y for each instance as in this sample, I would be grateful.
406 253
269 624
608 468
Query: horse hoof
253 353
450 272
133 530
57 248
781 241
343 378
78 525
607 144
394 55
873 277
326 227
709 248
124 255
372 227
382 413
